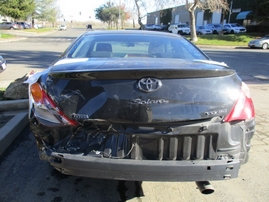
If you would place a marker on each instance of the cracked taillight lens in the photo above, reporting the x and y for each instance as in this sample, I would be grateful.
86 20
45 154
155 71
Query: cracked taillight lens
46 109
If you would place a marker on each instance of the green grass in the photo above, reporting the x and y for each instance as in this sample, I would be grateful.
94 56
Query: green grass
41 30
5 36
226 40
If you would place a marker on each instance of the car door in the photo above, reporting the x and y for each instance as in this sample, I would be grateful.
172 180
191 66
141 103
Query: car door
3 25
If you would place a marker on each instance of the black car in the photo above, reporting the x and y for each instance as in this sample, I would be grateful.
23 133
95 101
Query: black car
89 26
141 106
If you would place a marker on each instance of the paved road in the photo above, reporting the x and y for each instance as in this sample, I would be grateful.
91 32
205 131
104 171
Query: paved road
25 178
35 53
251 65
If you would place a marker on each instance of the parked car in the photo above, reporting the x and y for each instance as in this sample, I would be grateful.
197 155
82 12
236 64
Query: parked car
203 30
63 27
25 25
3 64
38 26
233 28
181 28
141 106
20 26
9 25
153 27
216 28
164 27
260 43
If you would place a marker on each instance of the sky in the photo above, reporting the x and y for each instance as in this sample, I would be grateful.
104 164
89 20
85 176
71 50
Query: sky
71 9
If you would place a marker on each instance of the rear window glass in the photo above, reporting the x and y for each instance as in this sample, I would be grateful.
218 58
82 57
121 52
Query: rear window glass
134 45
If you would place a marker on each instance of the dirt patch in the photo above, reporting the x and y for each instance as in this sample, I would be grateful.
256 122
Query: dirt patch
2 94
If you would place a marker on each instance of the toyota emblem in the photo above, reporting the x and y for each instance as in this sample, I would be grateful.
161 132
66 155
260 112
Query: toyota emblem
149 84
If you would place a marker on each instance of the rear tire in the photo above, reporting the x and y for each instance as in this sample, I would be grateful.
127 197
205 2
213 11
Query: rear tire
232 32
264 46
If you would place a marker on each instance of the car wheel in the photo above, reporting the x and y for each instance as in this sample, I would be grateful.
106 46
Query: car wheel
232 32
215 32
264 46
11 28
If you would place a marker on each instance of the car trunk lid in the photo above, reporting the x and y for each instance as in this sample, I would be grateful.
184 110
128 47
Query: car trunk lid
144 91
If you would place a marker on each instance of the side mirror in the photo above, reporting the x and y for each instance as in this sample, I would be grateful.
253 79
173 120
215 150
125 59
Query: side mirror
3 64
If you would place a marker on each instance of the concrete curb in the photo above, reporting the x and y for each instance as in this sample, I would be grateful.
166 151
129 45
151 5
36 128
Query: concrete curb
11 105
19 110
222 47
12 39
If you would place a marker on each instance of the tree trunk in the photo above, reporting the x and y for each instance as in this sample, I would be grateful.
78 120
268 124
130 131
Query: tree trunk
222 22
133 23
191 10
139 15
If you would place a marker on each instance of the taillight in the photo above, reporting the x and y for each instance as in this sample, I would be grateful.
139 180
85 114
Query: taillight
244 108
36 92
46 108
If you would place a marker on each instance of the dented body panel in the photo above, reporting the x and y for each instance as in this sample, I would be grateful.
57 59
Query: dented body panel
195 151
131 116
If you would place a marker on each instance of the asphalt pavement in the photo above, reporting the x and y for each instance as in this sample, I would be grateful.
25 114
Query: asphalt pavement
16 110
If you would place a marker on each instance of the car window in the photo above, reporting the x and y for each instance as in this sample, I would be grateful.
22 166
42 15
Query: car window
124 46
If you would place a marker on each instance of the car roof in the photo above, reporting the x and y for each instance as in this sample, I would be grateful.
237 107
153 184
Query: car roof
141 32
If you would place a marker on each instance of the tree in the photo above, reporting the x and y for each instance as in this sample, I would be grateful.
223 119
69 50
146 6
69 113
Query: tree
191 5
138 4
261 10
47 10
107 13
124 15
110 14
17 9
212 5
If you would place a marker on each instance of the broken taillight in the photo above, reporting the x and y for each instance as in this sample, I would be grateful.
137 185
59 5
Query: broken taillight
36 92
244 108
46 108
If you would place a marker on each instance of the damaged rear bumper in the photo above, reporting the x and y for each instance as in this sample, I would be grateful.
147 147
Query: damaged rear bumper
141 170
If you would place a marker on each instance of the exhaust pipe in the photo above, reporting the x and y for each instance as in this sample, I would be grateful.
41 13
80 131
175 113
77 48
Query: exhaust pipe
205 187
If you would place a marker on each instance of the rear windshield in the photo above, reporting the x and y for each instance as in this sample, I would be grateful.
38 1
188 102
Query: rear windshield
134 45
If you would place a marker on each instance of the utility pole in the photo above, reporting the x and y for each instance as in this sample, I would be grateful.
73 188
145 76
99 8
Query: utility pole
119 14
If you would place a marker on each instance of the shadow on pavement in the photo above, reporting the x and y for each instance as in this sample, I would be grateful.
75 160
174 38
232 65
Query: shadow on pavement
30 58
